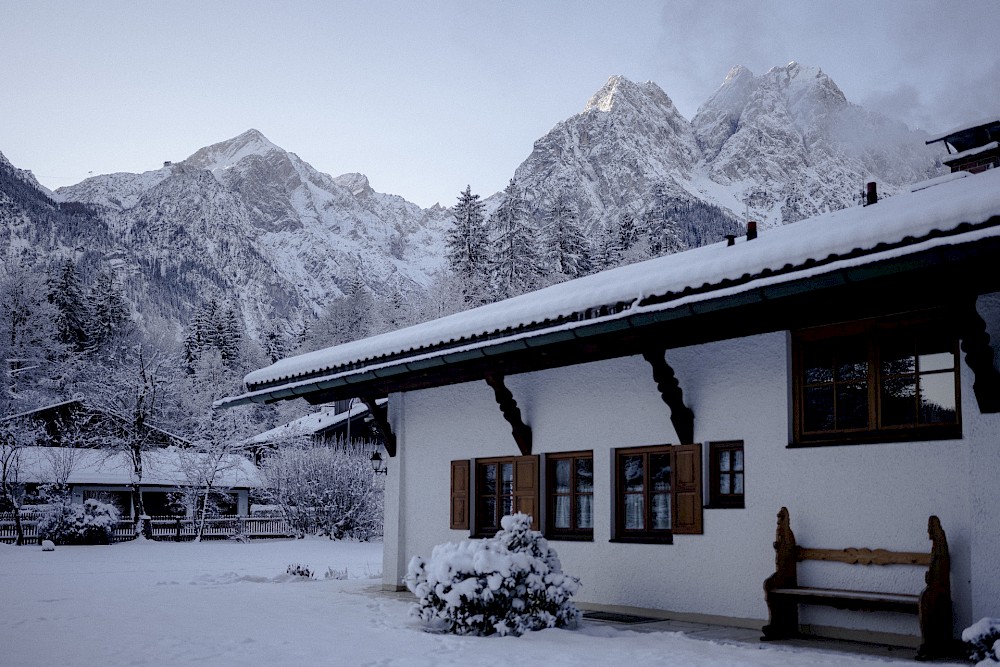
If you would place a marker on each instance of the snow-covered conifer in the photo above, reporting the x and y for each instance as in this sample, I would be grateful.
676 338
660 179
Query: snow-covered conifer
662 231
515 263
467 243
568 252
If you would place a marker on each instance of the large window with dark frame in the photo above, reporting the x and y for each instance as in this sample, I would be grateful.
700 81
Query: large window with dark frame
503 486
657 492
876 381
570 487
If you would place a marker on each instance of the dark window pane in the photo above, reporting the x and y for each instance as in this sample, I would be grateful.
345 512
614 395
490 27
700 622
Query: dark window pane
507 505
632 468
659 472
852 405
818 413
898 358
585 475
507 478
738 459
738 483
585 511
818 366
489 478
852 363
634 512
563 470
562 512
899 401
937 398
724 484
488 514
724 461
661 511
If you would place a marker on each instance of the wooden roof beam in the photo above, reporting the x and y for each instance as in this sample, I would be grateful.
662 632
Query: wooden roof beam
979 358
681 416
381 415
510 411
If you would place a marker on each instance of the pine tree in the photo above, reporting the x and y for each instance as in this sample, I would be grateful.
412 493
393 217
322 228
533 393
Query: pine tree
66 294
273 343
662 231
110 318
567 251
515 266
467 243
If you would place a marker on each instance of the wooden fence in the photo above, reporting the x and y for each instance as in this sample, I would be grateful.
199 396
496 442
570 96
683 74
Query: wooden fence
164 528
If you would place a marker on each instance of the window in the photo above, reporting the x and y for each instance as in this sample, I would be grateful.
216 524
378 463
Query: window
876 381
502 486
570 495
657 492
725 474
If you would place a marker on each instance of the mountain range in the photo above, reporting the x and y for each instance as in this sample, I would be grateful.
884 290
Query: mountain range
247 221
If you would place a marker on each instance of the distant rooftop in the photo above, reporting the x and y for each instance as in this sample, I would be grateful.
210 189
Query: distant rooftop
967 137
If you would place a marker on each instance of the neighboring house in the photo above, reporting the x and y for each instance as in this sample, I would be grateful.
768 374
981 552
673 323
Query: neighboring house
73 422
655 417
349 421
107 475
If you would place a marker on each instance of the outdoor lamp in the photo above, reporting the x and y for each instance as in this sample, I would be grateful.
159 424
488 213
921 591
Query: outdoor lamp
378 465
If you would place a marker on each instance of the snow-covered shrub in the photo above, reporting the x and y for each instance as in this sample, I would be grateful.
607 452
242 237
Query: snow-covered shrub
91 523
326 490
505 585
982 640
332 573
299 571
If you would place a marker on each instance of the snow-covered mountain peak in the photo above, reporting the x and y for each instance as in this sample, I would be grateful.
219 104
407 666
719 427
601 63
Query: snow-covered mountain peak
227 153
619 93
737 73
356 183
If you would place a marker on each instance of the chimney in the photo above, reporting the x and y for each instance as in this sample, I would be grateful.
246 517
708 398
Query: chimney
871 196
751 230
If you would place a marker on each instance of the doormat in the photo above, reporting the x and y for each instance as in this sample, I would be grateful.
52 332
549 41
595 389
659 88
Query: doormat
612 617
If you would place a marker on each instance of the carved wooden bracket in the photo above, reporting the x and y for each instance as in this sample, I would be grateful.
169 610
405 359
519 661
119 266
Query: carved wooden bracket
381 415
508 406
979 358
681 416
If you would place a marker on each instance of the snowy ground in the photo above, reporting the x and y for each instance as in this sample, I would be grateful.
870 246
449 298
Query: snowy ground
224 603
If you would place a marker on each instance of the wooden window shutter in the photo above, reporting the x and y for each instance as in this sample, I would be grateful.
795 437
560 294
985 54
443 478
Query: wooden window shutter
687 499
526 487
460 494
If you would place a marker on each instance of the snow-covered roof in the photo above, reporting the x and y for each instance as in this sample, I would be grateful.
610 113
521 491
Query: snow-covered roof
161 467
964 127
969 153
310 424
895 227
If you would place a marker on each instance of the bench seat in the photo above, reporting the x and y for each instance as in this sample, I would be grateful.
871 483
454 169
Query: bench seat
847 599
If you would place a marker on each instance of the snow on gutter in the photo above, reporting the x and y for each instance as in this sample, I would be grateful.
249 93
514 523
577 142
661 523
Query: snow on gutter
634 317
857 235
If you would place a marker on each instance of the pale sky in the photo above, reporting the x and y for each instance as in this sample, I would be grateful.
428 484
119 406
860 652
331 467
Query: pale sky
426 97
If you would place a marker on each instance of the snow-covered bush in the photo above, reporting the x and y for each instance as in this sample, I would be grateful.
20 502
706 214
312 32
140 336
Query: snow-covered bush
326 490
505 585
91 523
982 640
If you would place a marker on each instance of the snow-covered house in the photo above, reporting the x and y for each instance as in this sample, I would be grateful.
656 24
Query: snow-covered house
654 418
351 421
107 475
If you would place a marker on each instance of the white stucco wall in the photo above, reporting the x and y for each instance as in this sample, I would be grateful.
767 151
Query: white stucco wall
861 495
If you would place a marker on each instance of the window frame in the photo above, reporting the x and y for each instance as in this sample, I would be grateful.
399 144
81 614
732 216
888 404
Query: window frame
717 499
523 495
574 533
874 335
645 535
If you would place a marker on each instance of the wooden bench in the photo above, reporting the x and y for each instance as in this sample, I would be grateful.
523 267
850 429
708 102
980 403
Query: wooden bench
932 605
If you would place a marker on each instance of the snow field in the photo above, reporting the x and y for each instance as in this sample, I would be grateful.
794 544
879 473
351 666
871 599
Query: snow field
225 603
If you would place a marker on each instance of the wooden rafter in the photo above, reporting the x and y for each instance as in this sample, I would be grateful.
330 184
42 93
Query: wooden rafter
681 416
510 411
979 358
381 416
